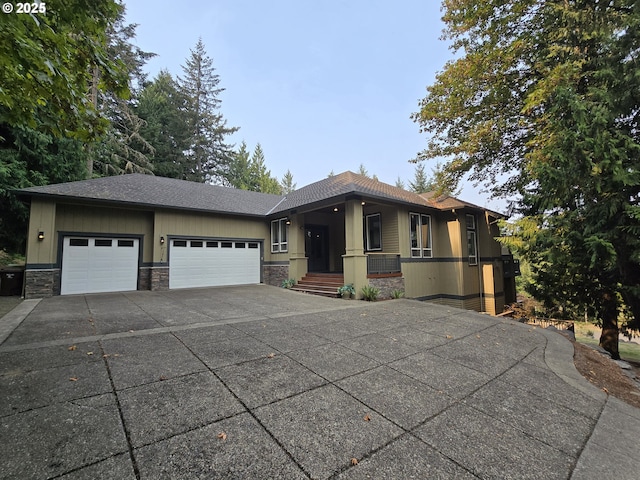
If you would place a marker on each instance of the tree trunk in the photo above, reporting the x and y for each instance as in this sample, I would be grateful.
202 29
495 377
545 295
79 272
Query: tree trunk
609 316
94 101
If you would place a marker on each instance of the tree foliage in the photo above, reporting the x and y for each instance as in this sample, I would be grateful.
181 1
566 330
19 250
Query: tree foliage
249 172
32 158
46 65
160 105
420 182
287 184
208 154
543 95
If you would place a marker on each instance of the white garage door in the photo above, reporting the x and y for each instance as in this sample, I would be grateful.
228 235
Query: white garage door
208 263
92 265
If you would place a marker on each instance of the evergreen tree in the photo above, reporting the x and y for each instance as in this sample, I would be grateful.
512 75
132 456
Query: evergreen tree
31 158
287 184
262 179
160 106
362 170
239 174
123 149
208 155
420 183
399 183
544 94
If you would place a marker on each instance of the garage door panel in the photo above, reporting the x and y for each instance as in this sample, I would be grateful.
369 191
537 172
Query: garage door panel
213 263
94 265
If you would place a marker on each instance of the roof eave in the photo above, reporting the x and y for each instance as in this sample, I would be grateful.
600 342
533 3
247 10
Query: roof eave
120 203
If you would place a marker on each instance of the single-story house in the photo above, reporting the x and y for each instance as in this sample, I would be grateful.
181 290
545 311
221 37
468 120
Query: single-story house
141 232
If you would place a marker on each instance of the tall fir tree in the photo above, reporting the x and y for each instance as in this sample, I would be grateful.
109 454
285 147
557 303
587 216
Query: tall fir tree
160 105
209 154
287 184
420 182
263 181
238 175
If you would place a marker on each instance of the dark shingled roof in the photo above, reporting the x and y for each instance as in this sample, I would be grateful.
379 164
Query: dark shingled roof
151 191
148 190
348 183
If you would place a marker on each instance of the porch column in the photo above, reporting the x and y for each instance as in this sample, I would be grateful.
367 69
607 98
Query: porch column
297 259
354 261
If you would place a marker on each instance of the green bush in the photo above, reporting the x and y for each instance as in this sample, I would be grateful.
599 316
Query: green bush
288 283
370 293
397 293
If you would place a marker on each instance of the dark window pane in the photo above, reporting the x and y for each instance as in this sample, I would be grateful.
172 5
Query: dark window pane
79 242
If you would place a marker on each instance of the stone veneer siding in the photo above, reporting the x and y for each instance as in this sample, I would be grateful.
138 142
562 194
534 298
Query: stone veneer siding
275 274
159 278
144 278
41 283
386 285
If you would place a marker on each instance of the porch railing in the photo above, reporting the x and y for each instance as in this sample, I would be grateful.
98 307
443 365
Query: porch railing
379 263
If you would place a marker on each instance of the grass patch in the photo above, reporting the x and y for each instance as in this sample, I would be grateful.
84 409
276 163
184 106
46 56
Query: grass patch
589 334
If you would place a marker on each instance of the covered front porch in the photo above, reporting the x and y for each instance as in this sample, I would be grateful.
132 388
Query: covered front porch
344 243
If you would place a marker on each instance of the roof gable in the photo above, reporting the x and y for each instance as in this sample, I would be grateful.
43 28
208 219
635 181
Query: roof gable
347 183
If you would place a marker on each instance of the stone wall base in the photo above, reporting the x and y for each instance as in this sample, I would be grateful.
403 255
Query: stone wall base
144 278
159 278
41 283
387 285
275 274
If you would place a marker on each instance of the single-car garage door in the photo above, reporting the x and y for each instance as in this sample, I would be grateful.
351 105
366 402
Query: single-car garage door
92 265
210 263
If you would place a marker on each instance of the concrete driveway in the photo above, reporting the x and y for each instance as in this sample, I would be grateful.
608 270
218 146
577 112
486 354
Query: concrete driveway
260 382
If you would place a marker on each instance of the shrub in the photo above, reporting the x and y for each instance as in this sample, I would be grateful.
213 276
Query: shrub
288 283
370 293
397 293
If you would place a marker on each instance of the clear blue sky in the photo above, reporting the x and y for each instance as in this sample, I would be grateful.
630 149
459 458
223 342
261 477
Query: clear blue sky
322 85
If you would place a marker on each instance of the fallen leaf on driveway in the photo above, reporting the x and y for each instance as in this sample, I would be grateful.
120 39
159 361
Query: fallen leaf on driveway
354 461
604 389
367 418
449 337
89 353
222 436
72 348
271 355
73 379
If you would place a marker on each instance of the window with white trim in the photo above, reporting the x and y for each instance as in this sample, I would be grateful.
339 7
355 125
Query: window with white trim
420 235
279 235
472 240
373 232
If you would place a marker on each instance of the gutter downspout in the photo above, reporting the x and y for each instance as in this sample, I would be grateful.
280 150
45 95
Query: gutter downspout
480 275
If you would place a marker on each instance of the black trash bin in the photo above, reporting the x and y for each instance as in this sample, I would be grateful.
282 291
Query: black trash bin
11 279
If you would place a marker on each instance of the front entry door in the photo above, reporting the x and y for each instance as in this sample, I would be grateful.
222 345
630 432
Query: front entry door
316 246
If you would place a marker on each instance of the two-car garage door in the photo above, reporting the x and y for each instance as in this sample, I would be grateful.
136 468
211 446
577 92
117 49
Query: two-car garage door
209 263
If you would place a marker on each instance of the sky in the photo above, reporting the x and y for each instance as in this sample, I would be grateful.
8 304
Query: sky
324 86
